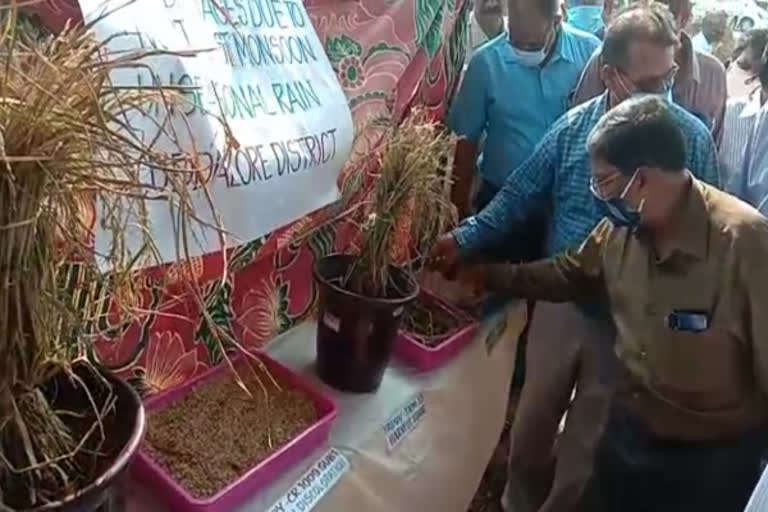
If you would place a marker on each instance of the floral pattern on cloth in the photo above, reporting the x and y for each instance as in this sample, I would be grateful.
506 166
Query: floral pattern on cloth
387 56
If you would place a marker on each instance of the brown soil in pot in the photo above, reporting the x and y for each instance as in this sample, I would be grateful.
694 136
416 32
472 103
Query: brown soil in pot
429 323
216 433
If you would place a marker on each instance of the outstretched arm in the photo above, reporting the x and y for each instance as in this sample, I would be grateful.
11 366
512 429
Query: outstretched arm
568 276
525 189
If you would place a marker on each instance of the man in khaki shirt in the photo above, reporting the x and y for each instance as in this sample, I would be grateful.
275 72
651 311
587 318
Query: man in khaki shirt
684 269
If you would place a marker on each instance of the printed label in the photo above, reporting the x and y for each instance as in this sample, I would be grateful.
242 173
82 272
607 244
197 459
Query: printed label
331 322
310 488
404 421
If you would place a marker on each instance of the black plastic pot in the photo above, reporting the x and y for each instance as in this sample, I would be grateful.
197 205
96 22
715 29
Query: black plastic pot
356 334
128 432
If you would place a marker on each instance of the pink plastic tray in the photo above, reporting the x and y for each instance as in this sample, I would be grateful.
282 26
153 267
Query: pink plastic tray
239 491
425 358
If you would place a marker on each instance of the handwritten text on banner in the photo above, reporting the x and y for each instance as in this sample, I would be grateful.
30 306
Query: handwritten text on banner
265 71
314 484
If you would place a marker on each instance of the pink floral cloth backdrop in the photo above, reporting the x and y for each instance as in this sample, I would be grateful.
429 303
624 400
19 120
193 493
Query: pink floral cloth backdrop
387 56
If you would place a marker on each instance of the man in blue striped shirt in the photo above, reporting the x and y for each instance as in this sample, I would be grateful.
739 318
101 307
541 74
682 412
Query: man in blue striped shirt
750 180
563 347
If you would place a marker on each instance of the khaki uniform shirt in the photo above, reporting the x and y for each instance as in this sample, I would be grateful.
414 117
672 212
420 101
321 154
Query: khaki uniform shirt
685 385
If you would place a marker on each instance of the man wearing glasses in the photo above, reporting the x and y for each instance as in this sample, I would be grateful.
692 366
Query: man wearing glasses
682 266
570 345
700 85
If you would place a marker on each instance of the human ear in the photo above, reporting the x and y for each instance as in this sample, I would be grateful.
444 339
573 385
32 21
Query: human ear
641 179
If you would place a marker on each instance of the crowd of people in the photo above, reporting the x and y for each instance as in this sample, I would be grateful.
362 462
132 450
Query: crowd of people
605 175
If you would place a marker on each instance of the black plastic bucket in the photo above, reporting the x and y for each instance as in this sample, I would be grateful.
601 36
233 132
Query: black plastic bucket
356 334
126 431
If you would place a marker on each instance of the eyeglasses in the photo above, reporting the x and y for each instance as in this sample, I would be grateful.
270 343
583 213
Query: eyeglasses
657 84
598 188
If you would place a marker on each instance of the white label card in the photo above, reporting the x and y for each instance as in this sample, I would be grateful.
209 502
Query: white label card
314 484
404 421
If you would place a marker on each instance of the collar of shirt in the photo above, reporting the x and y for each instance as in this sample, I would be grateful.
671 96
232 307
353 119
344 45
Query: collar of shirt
691 228
564 48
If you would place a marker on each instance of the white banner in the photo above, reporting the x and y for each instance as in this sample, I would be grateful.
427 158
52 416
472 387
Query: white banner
267 73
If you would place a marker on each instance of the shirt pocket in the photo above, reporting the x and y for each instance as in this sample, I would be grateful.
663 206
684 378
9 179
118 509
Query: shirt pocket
701 371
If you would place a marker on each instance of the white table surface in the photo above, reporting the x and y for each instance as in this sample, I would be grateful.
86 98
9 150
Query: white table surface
439 465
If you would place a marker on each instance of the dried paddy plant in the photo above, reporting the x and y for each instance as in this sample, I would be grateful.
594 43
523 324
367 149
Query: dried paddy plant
69 166
409 204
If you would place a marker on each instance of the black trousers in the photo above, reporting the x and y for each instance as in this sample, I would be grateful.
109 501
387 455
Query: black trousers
636 472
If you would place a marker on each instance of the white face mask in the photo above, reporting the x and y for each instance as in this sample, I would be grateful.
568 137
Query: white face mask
532 58
529 58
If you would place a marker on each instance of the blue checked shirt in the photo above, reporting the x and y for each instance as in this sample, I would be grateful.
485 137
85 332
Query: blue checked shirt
556 177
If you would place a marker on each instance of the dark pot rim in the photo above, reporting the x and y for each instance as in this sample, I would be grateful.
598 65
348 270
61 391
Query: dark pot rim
120 463
407 277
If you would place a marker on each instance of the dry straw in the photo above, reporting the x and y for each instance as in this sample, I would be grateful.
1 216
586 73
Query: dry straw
408 206
64 148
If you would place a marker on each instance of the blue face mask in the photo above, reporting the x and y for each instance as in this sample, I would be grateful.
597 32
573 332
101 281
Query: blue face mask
588 18
620 213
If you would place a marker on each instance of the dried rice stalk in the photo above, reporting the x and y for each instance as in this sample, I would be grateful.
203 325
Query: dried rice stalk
63 148
411 196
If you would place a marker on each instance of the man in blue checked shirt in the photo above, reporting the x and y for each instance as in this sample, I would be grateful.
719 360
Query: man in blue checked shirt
568 345
515 87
